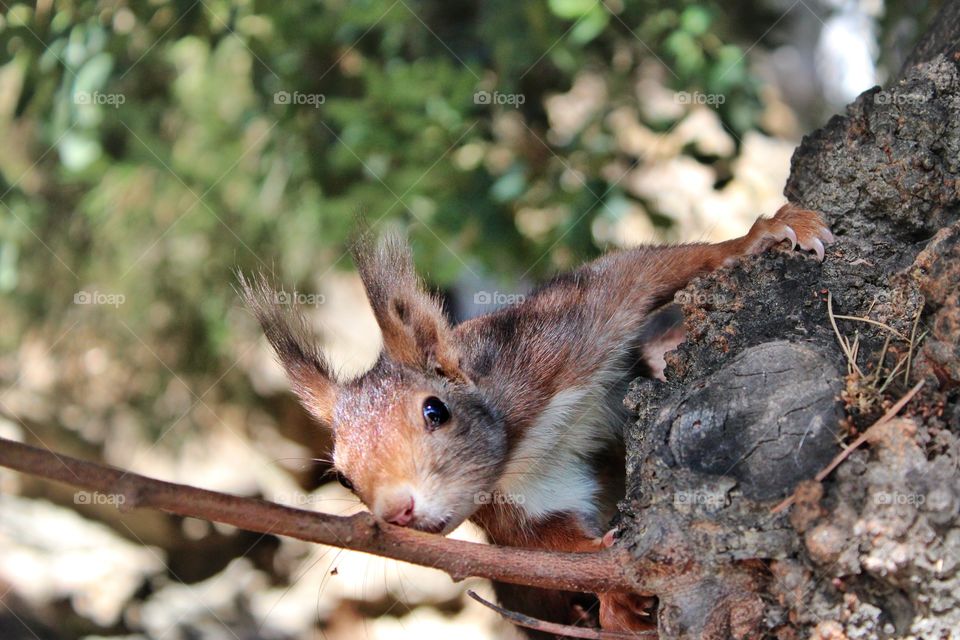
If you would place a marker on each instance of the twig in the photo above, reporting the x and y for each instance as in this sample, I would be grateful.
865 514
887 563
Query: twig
913 336
891 376
566 630
584 572
851 359
876 323
840 457
883 356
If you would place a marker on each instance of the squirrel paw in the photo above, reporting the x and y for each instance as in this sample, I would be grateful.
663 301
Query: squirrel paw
626 612
799 226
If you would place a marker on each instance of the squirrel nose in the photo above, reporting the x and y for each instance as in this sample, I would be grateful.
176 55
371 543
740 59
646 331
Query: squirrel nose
400 513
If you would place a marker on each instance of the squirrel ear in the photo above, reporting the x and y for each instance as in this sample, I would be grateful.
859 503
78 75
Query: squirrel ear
286 330
415 331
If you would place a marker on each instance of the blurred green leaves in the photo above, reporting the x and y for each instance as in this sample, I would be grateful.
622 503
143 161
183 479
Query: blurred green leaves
153 147
590 16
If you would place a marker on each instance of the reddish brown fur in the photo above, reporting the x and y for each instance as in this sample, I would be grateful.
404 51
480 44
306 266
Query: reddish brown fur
511 379
415 332
308 371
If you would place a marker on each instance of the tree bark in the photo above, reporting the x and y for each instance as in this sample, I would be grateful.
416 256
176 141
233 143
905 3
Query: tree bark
787 359
940 39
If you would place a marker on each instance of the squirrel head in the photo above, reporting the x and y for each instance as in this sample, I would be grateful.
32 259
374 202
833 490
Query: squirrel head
414 437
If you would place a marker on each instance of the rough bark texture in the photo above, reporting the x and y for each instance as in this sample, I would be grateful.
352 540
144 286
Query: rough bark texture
762 394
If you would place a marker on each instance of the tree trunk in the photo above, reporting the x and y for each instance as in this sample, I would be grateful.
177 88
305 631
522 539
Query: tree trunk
786 359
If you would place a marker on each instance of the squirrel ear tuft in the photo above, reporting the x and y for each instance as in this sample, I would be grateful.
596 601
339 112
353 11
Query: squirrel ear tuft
287 331
415 331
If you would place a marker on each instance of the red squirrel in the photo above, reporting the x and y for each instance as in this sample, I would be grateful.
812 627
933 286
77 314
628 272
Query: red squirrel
501 419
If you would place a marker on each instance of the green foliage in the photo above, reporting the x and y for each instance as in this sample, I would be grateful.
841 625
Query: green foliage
154 147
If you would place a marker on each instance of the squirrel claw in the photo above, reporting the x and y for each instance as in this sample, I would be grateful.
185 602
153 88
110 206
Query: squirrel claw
802 227
817 248
791 236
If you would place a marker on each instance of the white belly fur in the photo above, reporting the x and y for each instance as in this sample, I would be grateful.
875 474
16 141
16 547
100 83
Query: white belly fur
549 472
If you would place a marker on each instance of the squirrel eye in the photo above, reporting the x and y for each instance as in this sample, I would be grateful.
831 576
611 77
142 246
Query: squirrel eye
435 412
343 480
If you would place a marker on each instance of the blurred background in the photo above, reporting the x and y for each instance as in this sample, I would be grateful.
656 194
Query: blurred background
152 148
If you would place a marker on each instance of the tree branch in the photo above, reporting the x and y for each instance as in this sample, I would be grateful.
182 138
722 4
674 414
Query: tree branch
585 572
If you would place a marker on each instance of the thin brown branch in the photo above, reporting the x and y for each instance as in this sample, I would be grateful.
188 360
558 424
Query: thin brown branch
565 630
585 572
